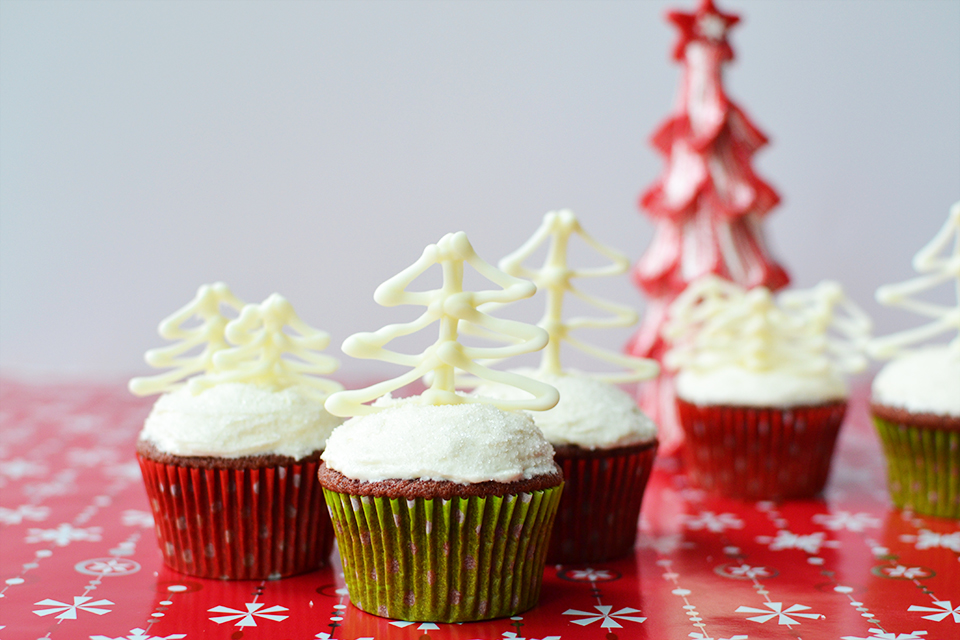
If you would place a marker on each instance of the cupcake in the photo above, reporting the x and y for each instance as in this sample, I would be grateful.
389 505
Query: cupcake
761 392
443 503
230 449
915 398
603 442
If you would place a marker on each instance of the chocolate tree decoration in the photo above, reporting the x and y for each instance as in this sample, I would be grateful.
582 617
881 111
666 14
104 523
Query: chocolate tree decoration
707 206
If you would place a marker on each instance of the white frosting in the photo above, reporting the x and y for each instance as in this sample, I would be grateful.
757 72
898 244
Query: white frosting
465 443
924 381
591 413
234 420
737 386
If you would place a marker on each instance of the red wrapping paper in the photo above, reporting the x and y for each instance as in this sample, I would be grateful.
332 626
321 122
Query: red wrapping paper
239 524
760 453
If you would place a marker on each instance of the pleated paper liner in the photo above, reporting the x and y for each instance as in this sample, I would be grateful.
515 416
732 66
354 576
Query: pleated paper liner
439 560
760 453
239 524
923 466
600 507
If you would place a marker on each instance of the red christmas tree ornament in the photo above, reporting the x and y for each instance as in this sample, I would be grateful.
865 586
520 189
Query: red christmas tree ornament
708 205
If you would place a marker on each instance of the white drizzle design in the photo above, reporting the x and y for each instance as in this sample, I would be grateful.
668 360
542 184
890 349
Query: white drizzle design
450 306
715 323
937 267
250 348
555 277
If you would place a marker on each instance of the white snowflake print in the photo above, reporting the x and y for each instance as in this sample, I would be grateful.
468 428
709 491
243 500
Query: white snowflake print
908 573
140 634
783 616
90 457
323 635
124 470
64 535
810 543
20 468
713 522
847 520
880 634
933 540
69 611
609 619
63 483
944 609
135 518
664 545
248 618
510 635
107 567
23 512
701 636
424 626
591 575
747 571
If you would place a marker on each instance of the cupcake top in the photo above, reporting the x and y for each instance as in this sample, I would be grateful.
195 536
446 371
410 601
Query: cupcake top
464 443
741 347
592 414
241 394
924 379
442 434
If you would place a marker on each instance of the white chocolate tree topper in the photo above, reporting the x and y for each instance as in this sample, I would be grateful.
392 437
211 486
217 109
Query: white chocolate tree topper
715 323
451 307
249 348
936 266
555 278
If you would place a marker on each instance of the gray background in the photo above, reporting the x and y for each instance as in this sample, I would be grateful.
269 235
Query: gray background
314 149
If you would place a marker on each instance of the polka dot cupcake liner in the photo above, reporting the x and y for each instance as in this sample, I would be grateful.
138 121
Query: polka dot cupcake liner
760 453
441 560
239 524
923 467
600 507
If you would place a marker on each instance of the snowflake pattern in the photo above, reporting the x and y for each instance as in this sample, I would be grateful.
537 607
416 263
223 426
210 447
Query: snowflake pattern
511 635
140 634
23 512
944 609
107 567
248 618
424 626
906 573
609 619
846 520
932 540
90 457
810 543
701 636
64 535
745 572
20 468
69 611
137 518
880 634
713 522
783 616
664 545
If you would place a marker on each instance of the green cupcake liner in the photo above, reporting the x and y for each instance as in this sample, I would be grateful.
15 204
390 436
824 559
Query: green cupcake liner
923 467
443 560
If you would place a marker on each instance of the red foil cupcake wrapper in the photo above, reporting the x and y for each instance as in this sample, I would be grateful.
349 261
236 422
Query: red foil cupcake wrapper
760 453
600 507
239 524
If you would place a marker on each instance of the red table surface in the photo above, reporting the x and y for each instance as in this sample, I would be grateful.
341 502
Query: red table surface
79 559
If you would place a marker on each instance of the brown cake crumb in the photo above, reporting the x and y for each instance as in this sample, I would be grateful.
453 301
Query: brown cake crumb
149 451
336 481
898 415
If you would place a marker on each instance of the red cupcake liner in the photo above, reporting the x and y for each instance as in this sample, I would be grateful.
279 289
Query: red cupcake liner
239 524
760 453
600 506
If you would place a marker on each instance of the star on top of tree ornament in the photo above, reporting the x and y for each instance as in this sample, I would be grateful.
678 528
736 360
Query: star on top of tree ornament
707 24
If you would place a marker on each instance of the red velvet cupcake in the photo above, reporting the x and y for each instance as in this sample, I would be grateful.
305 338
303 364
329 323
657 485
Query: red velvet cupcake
229 457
